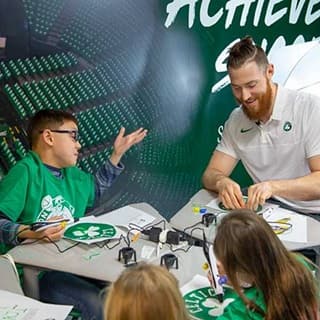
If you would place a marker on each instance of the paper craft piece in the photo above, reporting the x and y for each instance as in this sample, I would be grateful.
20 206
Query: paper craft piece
298 230
201 300
91 232
18 307
127 216
218 205
222 207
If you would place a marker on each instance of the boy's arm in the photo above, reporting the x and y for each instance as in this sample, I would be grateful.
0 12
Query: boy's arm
8 231
113 167
54 233
123 143
12 233
104 178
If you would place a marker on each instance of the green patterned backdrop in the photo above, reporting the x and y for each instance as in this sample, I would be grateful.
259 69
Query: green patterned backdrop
153 63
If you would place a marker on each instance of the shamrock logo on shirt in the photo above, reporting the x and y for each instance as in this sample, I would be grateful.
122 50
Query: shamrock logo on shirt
54 207
287 126
216 308
202 303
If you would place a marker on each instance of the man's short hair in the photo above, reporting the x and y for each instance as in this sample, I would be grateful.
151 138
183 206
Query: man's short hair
47 119
245 51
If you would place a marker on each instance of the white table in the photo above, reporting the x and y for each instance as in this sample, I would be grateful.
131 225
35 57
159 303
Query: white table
185 218
98 263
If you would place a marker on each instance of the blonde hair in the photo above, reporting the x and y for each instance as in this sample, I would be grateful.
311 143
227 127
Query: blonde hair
245 244
145 292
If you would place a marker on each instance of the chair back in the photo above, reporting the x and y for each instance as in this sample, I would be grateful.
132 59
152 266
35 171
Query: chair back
9 275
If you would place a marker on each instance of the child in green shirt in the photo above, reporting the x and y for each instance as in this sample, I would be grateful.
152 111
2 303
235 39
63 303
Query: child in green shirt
46 185
264 280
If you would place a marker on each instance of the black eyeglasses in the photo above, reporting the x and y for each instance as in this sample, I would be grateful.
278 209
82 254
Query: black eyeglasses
73 133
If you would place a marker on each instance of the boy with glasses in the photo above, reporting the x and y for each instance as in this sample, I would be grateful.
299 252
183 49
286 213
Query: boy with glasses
45 185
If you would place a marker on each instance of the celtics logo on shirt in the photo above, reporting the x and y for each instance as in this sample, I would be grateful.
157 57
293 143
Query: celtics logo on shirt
89 231
287 126
54 207
202 303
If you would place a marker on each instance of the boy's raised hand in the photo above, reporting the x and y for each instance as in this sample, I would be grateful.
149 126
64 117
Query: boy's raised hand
123 143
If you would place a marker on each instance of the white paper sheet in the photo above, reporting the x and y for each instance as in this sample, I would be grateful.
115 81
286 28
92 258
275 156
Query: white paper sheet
214 204
272 212
197 282
298 231
127 216
18 307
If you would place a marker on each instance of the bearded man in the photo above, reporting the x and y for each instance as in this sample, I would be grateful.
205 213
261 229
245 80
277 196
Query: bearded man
275 132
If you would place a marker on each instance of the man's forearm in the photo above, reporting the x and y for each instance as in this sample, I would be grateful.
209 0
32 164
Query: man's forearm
211 179
304 188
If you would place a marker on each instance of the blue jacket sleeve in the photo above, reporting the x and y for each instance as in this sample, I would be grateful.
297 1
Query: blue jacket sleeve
104 178
8 231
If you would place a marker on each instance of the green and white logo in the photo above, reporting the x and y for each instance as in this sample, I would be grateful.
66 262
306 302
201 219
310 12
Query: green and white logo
245 199
90 231
287 126
54 207
202 303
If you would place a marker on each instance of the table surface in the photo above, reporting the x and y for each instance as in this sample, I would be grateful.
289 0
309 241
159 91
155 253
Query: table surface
185 218
102 263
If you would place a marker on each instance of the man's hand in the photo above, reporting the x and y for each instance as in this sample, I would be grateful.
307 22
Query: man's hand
258 194
124 143
230 193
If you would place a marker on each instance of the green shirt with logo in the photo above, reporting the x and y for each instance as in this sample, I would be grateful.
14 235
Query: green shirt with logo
30 192
203 304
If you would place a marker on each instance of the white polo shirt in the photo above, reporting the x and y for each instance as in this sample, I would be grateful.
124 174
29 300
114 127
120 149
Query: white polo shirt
280 148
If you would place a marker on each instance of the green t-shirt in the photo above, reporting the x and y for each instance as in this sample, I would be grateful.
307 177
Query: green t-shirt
30 192
203 304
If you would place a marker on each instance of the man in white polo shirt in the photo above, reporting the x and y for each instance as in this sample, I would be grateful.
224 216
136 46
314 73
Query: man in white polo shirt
275 133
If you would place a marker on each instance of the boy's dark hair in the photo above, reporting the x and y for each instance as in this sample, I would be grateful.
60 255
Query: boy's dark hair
47 119
245 51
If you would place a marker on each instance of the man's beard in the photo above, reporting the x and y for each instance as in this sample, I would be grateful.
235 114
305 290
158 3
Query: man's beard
264 106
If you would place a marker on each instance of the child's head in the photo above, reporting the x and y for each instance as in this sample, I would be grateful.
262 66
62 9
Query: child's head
251 252
145 292
47 119
246 245
53 135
